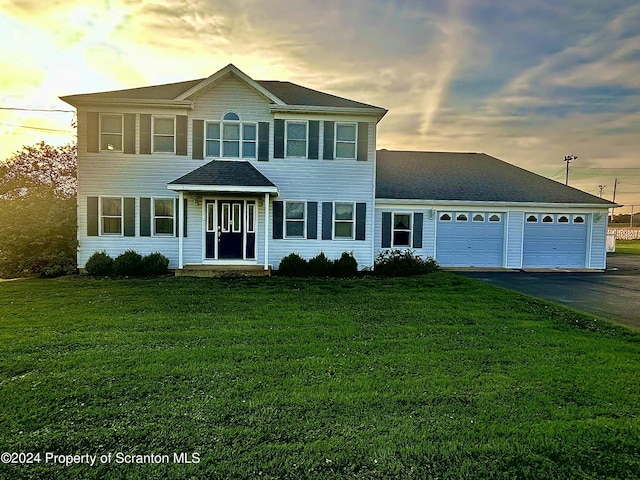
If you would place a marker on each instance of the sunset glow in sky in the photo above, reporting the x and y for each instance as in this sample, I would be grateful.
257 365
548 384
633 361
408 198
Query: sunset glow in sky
527 81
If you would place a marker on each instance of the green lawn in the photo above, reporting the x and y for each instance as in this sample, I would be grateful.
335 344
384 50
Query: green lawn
628 246
429 377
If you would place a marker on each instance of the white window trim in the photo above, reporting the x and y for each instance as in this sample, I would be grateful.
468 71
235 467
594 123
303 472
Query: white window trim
286 139
565 215
336 141
553 218
483 214
527 215
442 214
112 133
491 214
303 219
241 141
352 221
154 134
466 214
583 217
101 216
154 216
236 216
393 229
250 228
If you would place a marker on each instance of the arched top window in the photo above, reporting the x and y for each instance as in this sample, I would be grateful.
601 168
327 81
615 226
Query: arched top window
547 219
462 217
231 117
495 217
478 217
563 219
578 219
445 217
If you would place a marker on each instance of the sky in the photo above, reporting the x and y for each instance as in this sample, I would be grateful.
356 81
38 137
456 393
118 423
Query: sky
527 81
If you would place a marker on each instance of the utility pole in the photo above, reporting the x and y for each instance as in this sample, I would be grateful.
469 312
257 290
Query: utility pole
601 187
567 159
613 210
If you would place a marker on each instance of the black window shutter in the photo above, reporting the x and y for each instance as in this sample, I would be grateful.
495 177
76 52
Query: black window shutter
145 134
327 153
312 220
145 217
184 218
417 230
386 229
327 220
361 221
278 216
263 141
278 138
93 132
130 133
363 141
314 138
129 217
198 140
181 134
92 216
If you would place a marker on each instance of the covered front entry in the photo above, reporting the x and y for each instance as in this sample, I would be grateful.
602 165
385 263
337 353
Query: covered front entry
230 229
470 239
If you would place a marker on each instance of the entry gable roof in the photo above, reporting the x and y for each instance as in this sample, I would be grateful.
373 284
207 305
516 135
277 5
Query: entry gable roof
472 177
226 176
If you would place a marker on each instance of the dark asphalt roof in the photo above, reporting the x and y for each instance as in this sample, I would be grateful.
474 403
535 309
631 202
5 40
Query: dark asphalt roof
474 177
289 93
227 173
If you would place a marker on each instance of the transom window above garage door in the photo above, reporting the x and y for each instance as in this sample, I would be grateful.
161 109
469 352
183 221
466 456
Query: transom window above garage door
554 218
476 217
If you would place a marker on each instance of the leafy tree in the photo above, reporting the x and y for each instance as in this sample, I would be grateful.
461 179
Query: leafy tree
38 211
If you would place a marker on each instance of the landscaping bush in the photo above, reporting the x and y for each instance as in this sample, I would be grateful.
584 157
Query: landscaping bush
346 265
100 264
128 264
155 264
402 263
293 265
320 266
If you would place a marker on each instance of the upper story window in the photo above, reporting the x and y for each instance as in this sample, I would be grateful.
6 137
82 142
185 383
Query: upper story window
111 218
346 140
164 134
296 139
231 138
111 132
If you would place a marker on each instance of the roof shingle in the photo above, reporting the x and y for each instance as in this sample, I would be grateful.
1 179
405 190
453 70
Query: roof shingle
225 173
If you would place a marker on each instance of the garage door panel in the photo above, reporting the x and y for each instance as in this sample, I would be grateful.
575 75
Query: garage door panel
552 245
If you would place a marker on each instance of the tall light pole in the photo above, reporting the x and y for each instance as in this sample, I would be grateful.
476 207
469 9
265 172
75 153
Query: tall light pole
567 159
601 187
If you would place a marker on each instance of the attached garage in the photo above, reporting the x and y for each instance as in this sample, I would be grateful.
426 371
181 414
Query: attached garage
470 239
555 240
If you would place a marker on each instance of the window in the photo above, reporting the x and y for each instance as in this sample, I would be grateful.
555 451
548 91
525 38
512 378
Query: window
111 128
231 138
346 140
445 217
237 218
478 217
401 229
578 219
495 217
164 134
296 139
462 217
563 219
532 218
226 218
163 215
547 219
111 215
343 224
294 219
251 218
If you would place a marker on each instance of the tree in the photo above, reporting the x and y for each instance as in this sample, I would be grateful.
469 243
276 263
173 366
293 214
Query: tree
38 211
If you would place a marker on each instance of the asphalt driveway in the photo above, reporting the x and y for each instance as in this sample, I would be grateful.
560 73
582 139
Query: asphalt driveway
613 294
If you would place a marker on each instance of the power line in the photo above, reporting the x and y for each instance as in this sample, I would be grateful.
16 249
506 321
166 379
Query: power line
37 109
606 168
36 128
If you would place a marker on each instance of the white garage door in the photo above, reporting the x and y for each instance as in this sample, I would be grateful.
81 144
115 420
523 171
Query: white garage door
470 239
554 240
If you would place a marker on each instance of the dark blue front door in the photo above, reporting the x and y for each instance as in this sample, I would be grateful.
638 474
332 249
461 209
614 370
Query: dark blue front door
230 229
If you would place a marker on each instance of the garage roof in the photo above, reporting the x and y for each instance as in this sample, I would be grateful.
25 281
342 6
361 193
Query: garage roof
474 177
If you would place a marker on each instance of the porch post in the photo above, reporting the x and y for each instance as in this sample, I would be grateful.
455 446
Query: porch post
266 231
180 228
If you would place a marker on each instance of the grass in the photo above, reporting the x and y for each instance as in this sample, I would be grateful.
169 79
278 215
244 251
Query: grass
429 377
628 246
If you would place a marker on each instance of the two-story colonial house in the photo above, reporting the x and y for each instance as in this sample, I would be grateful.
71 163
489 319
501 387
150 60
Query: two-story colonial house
231 171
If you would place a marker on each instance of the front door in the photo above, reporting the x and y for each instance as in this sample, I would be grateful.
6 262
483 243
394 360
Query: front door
230 229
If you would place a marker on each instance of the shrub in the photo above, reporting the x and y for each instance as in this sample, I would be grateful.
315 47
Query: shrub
100 264
293 265
128 263
155 264
55 265
346 265
320 266
402 263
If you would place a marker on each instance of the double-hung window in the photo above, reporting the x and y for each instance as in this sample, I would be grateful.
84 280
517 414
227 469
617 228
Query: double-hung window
111 132
163 216
164 134
294 219
401 229
231 138
111 215
346 140
344 215
296 139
